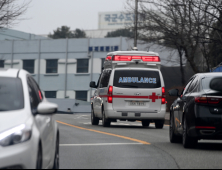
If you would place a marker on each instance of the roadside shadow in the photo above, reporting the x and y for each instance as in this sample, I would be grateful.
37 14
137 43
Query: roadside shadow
209 146
130 127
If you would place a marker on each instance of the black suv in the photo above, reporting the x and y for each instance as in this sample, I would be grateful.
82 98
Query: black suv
197 112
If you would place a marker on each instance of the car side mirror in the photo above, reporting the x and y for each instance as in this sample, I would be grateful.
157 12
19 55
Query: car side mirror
45 108
216 84
93 84
174 92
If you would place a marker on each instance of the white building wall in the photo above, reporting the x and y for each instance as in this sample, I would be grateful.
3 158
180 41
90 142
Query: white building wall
36 66
71 94
72 66
60 94
97 65
43 66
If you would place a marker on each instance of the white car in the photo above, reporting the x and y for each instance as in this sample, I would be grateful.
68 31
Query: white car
131 87
29 136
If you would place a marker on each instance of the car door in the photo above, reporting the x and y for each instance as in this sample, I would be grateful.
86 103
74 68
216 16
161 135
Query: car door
43 122
96 95
182 104
103 89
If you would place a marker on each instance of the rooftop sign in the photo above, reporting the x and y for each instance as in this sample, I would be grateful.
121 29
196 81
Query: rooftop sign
115 20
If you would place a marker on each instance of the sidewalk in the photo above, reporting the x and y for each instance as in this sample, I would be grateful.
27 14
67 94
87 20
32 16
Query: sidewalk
167 118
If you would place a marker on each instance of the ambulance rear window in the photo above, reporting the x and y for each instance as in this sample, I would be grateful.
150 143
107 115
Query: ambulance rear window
136 79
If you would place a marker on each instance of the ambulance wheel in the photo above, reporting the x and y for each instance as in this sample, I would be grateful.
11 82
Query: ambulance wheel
145 123
159 124
94 120
106 122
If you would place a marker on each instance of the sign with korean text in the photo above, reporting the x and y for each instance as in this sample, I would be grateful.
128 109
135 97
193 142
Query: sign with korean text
115 20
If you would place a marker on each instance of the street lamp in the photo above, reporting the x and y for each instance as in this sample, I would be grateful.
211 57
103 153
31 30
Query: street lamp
135 23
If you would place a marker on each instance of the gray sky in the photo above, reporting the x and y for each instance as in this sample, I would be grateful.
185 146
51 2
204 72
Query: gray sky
44 16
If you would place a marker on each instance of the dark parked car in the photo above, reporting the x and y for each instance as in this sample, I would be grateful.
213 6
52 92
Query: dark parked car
197 112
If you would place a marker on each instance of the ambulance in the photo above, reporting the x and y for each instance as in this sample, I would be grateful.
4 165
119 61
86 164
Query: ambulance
130 88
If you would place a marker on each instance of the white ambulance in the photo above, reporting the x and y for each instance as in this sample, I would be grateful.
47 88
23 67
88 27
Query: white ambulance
130 88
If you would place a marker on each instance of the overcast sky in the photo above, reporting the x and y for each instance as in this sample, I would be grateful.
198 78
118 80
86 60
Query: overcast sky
44 16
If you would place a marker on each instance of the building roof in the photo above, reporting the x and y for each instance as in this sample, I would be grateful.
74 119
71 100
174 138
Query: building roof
10 34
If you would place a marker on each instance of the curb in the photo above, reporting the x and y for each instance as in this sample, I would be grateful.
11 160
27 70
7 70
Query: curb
167 122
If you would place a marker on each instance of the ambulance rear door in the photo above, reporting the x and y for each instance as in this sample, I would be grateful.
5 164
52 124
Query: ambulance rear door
137 90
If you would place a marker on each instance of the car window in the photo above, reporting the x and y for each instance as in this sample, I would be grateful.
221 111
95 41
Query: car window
37 89
34 98
137 79
187 88
105 78
194 85
11 94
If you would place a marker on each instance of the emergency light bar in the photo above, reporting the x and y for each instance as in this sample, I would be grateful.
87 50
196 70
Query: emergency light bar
130 58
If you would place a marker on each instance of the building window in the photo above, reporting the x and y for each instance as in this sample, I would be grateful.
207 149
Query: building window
1 63
107 48
103 60
50 94
81 95
90 49
116 48
51 66
82 65
101 48
28 65
97 49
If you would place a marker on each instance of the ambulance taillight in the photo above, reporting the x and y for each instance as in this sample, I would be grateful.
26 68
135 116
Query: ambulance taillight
130 58
110 94
163 95
108 58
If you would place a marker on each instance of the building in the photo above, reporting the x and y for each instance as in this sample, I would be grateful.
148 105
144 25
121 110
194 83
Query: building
110 21
64 67
9 34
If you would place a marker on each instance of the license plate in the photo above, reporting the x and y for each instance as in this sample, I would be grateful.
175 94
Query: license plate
137 103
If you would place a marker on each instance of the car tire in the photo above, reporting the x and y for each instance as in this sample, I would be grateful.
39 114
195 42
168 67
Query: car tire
159 124
188 142
106 122
39 158
173 137
56 159
94 120
145 123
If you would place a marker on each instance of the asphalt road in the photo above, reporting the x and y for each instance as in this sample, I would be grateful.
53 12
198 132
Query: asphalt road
127 145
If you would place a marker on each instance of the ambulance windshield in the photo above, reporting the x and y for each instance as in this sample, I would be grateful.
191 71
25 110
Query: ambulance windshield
137 79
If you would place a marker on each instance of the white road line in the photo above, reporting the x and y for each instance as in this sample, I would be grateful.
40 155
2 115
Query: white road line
101 144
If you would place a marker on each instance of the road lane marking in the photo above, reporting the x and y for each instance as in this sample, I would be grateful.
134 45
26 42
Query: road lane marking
105 133
101 144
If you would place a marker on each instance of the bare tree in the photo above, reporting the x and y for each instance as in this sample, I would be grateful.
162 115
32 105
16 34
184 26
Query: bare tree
212 8
11 12
179 24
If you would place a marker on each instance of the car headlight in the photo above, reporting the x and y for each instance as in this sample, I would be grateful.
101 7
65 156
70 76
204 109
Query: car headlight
16 135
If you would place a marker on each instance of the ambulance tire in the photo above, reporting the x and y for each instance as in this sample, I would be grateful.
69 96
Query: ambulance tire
145 123
106 122
94 120
159 124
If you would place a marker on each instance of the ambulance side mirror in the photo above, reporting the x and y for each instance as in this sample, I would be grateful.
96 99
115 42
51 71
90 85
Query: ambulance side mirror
174 92
93 84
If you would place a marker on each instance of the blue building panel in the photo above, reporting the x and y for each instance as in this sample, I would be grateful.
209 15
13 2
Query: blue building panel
218 69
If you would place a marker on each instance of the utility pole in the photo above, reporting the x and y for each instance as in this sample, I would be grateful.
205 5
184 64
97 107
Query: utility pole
135 23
